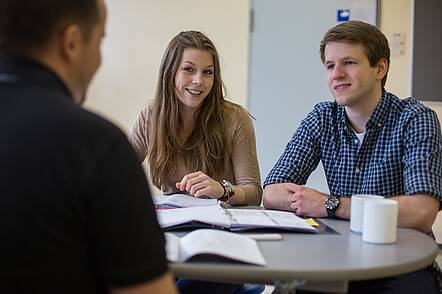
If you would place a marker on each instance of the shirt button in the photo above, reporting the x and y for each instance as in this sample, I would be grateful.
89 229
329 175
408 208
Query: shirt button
356 141
379 125
357 170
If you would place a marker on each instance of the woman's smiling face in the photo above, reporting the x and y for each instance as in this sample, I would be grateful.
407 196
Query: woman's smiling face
194 77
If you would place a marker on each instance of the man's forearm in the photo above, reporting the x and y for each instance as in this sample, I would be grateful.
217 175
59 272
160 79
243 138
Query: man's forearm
417 211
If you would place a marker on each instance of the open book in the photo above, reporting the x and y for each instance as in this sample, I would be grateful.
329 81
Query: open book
181 200
232 219
207 245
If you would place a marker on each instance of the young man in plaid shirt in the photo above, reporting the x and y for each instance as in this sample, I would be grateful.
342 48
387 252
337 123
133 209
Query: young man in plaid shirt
369 142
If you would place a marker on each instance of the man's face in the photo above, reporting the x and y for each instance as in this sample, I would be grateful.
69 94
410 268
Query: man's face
350 78
90 56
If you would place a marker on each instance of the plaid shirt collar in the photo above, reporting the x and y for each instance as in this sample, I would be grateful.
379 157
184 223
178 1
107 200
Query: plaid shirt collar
377 118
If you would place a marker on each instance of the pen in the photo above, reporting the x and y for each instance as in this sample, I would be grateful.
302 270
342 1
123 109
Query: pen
265 237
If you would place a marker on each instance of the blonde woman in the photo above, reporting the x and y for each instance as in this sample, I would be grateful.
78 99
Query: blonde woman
195 141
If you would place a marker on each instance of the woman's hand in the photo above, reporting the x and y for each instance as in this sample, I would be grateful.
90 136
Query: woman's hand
199 184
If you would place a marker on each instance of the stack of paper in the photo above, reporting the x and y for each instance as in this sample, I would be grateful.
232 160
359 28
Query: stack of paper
182 200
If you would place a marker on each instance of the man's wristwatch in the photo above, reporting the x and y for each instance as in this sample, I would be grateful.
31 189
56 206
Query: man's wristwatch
331 204
229 191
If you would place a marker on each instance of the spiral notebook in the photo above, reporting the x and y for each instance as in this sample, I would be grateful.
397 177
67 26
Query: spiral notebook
215 216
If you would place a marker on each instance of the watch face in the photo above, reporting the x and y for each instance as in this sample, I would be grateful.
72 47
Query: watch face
331 203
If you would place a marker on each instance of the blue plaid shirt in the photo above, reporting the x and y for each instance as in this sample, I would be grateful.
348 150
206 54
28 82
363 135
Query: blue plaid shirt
401 153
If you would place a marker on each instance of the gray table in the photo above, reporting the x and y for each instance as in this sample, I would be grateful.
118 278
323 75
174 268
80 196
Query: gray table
326 261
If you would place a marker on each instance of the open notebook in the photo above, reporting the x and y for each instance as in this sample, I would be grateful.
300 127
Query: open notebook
213 245
232 219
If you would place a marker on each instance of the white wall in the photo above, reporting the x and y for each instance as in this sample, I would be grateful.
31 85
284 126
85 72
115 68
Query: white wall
138 31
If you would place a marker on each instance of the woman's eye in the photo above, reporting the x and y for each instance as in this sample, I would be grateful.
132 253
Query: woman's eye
208 72
188 69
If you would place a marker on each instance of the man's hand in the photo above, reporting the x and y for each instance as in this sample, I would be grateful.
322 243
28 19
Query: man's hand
275 196
306 201
292 197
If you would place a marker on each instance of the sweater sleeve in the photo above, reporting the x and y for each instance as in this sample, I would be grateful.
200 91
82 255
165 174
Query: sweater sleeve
244 158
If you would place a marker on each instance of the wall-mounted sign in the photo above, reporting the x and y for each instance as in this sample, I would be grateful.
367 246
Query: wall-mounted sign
342 15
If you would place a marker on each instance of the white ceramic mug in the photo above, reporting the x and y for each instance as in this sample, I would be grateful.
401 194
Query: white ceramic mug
380 221
357 211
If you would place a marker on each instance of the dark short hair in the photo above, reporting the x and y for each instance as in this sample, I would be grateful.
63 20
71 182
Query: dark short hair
31 23
373 40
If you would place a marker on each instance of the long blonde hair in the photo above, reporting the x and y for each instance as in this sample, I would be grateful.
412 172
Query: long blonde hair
206 147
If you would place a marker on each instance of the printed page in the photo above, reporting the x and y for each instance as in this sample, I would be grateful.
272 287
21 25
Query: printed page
213 215
182 200
264 218
225 244
172 247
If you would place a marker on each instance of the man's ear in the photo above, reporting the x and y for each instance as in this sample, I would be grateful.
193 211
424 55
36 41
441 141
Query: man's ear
381 68
70 40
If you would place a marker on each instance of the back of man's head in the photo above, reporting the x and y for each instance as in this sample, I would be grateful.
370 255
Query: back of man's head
30 24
